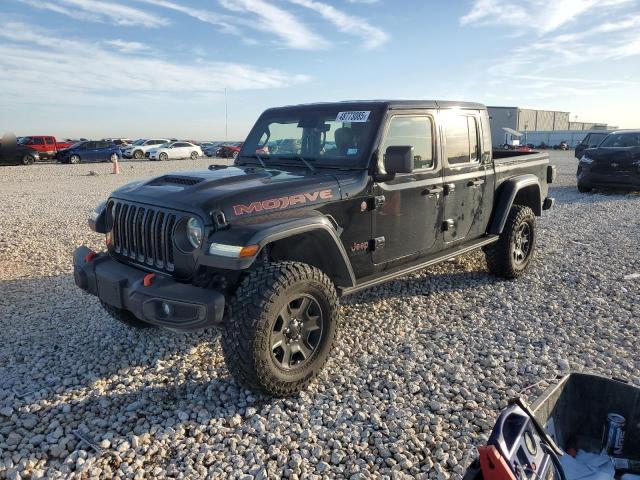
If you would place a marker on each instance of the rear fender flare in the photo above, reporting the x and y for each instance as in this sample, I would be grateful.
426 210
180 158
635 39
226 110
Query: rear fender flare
528 186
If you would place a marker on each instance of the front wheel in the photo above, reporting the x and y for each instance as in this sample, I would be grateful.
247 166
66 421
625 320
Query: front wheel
74 159
194 155
28 160
510 256
583 189
163 156
282 324
138 154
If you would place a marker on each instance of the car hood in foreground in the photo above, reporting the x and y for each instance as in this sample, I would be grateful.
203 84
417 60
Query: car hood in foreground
240 192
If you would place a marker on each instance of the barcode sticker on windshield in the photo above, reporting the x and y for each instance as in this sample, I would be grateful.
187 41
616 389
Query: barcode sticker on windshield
353 116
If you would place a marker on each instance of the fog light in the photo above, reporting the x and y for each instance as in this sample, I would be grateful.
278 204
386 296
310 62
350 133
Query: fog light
167 309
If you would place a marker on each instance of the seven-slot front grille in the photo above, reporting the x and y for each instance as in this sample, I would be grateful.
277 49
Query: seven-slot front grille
143 234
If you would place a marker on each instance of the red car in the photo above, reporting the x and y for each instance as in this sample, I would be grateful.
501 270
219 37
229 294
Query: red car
230 150
46 146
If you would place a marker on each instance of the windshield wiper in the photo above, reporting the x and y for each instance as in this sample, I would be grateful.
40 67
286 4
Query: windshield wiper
255 155
301 158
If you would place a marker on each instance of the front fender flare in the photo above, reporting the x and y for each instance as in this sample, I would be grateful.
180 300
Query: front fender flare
290 228
506 195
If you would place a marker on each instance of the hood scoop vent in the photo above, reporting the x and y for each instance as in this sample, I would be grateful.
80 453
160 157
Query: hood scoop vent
176 180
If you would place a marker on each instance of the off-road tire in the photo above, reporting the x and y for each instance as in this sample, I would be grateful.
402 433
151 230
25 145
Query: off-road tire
138 154
499 255
584 189
28 160
254 311
125 316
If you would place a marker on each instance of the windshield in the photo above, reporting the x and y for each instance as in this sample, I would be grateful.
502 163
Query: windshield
323 134
164 145
631 139
76 145
594 139
23 140
139 142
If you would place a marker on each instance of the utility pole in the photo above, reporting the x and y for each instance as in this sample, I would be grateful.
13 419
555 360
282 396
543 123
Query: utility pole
226 117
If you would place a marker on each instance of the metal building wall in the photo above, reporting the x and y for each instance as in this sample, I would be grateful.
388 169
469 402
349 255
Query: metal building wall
576 126
501 117
561 121
551 138
527 120
545 120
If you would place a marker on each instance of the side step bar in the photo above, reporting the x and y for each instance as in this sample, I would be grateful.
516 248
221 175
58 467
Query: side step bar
422 263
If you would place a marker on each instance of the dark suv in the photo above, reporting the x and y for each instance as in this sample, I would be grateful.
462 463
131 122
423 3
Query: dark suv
592 140
264 249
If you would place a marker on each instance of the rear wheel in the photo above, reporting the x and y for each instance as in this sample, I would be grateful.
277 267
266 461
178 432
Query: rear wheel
584 189
163 156
194 155
281 328
510 256
235 155
125 316
113 158
28 160
74 159
138 154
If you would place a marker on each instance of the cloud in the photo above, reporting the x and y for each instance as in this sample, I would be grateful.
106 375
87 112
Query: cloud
100 11
225 22
129 47
372 36
274 20
543 16
38 64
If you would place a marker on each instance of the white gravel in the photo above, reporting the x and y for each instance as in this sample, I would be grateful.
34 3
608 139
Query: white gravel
421 368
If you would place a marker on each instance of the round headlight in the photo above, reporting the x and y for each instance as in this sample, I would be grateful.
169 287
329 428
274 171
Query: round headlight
194 232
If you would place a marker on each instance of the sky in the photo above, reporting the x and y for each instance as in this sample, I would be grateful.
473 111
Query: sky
143 68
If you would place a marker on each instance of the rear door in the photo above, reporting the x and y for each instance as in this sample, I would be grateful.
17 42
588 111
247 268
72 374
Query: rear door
102 151
408 213
37 143
50 145
465 176
89 152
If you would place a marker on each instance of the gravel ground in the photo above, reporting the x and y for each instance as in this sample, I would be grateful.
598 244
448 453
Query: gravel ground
422 366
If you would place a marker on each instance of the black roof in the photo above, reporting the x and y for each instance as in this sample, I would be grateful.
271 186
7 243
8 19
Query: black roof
391 104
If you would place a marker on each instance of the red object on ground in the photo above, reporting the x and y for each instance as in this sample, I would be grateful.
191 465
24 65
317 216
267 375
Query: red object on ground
148 279
493 465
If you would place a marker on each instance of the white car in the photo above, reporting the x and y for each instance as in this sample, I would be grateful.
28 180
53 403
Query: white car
138 148
174 150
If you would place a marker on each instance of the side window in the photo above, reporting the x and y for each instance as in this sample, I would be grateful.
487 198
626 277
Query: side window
90 145
102 144
37 141
50 141
462 139
415 131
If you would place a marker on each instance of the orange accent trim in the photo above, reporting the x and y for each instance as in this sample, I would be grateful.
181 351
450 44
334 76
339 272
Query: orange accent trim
89 256
249 251
148 279
493 465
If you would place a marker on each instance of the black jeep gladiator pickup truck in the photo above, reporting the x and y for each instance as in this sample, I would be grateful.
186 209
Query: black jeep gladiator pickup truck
322 201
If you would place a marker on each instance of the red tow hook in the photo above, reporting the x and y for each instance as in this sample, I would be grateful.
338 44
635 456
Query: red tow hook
89 256
148 279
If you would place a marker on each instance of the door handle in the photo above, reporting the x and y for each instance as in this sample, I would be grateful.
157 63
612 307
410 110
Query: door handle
431 191
475 183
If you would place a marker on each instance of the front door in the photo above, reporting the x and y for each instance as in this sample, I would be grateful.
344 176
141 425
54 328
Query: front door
90 153
408 214
465 177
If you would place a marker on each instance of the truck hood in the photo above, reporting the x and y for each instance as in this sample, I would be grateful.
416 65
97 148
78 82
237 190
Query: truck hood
239 192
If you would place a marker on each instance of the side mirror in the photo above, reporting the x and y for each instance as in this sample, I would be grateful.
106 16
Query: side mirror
398 159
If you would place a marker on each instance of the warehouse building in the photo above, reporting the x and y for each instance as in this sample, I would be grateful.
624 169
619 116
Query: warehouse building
528 125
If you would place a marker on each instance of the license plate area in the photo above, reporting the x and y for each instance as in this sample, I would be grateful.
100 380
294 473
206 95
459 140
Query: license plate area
110 288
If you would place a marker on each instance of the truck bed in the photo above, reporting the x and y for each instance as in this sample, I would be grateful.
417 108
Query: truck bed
509 164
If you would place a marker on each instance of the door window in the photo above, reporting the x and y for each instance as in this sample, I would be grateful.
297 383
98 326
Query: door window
461 132
50 141
90 146
415 131
102 145
37 141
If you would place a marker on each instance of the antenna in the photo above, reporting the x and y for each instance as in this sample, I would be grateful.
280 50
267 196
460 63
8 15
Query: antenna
226 117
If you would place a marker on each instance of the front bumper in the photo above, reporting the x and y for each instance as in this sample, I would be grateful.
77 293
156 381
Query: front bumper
624 180
122 286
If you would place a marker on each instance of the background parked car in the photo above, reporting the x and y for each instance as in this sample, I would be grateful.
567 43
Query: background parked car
229 150
142 146
174 150
46 146
16 154
592 140
212 149
90 152
121 142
